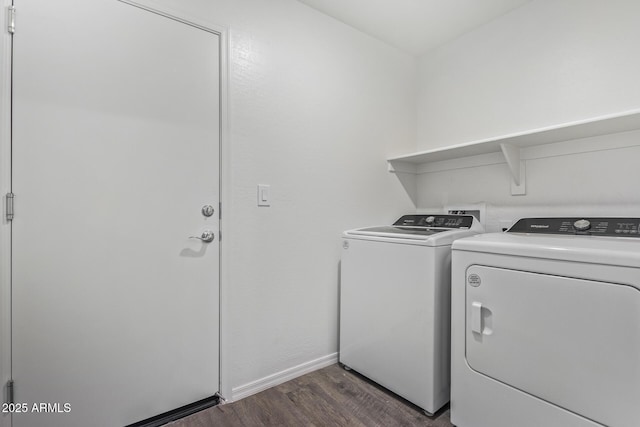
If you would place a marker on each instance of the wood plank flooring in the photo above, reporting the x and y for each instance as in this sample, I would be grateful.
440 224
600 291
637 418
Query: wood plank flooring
327 397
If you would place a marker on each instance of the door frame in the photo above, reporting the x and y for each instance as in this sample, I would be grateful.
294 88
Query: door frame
5 226
222 32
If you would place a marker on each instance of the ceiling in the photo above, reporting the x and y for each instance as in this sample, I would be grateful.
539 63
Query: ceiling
414 26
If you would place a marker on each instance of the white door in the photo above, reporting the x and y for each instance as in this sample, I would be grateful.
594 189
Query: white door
115 152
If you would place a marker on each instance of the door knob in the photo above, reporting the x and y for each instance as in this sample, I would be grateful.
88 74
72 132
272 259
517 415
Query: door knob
207 236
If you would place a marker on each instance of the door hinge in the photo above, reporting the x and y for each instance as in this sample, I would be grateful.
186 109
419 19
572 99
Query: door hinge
9 206
11 19
10 392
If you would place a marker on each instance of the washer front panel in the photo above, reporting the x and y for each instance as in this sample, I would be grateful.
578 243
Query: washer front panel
572 342
394 318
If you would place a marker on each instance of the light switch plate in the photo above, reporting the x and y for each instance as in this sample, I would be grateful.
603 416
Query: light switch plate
264 195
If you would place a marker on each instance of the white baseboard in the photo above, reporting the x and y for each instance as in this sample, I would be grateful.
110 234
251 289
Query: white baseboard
272 380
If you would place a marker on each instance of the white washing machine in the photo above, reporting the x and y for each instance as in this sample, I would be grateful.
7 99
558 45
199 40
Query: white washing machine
546 325
395 304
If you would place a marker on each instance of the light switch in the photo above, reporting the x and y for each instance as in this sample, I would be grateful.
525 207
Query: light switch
263 195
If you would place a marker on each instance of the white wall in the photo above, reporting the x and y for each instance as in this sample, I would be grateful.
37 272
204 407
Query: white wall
601 180
315 108
546 63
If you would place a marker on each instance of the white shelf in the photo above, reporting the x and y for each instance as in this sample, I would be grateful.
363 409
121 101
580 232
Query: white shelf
510 145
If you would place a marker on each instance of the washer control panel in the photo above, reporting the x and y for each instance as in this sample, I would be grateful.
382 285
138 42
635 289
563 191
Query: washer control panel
618 227
436 221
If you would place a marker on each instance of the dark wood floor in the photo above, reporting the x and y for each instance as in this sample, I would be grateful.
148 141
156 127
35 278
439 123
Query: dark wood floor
327 397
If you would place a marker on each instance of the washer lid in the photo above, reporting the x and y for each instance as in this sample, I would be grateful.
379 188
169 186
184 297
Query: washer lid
406 232
427 230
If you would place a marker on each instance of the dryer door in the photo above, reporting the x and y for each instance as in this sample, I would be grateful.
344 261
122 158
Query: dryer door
574 343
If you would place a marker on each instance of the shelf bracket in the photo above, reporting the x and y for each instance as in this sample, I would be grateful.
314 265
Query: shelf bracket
512 156
516 167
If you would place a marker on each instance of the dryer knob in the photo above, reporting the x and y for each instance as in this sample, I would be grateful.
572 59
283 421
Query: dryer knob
582 225
430 219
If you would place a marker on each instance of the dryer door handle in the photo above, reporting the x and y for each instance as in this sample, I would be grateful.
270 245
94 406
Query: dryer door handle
476 317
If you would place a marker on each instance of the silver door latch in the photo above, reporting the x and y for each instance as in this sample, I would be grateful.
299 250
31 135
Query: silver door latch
207 236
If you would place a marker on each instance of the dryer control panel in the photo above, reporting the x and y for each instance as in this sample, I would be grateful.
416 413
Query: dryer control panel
617 227
439 221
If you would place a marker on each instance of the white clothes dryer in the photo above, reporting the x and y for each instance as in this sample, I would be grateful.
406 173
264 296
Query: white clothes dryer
395 304
546 325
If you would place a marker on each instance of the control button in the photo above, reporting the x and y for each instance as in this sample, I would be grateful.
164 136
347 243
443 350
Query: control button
582 225
430 219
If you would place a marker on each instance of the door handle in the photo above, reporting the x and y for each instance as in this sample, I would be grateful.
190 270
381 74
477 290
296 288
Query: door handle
207 236
481 319
476 317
